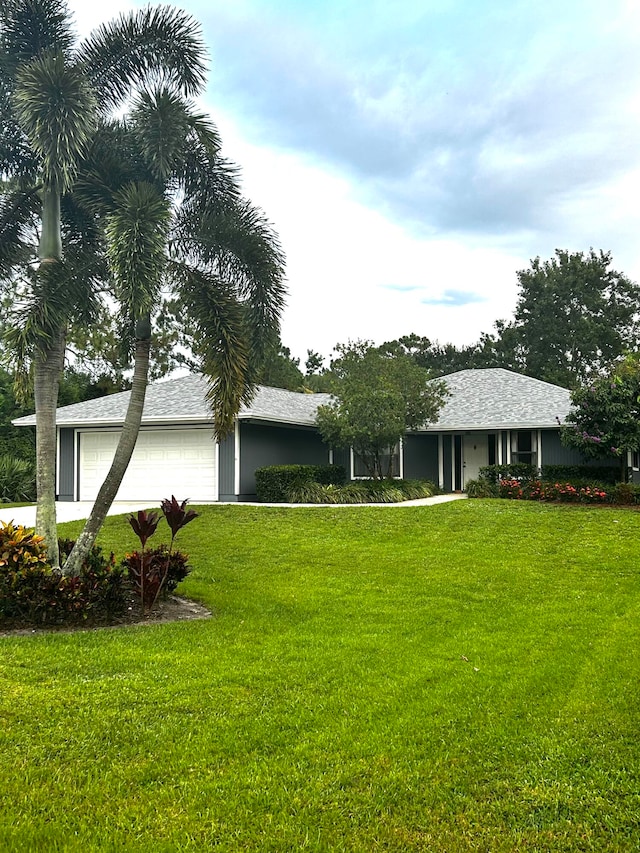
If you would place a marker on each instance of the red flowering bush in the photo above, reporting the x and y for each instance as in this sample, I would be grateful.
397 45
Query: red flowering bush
510 489
538 490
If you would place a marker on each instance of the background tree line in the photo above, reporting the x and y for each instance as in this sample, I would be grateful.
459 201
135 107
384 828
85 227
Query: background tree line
574 319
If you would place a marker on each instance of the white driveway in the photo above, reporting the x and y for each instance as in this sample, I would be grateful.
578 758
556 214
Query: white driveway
66 511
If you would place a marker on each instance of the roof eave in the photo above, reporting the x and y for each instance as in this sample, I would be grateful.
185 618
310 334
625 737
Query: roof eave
471 427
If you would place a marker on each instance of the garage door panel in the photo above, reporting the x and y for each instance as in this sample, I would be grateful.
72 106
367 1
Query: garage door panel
164 462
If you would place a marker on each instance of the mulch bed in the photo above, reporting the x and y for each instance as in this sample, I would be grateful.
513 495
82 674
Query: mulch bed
172 609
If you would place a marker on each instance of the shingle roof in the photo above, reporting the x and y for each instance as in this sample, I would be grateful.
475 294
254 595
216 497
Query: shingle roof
495 398
182 400
492 398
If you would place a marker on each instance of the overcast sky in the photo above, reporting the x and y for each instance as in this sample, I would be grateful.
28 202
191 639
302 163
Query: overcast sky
414 155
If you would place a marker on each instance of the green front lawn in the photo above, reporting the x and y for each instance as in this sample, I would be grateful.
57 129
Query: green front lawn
464 677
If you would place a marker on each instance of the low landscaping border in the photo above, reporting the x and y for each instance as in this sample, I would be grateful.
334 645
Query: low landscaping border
577 491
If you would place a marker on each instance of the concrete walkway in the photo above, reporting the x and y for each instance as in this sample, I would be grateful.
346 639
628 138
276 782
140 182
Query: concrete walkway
74 510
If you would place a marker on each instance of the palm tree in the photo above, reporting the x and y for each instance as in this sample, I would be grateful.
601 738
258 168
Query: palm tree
177 225
52 94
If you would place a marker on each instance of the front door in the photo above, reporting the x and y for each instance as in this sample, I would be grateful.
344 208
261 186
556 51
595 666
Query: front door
475 454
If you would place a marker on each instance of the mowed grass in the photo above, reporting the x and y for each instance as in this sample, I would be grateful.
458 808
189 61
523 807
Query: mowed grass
463 677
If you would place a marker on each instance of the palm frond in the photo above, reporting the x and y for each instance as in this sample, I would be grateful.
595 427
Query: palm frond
47 301
210 182
17 160
137 236
143 48
160 121
111 162
56 109
216 320
18 240
29 28
240 246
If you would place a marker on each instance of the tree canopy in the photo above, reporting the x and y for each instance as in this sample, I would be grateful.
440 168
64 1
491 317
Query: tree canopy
378 399
605 419
575 316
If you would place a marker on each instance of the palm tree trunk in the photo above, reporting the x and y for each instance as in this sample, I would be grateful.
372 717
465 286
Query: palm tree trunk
124 451
47 368
50 246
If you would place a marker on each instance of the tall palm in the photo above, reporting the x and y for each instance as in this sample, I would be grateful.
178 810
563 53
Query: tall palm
175 223
52 94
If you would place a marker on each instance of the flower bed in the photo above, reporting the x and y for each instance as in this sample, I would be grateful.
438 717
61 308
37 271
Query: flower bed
564 492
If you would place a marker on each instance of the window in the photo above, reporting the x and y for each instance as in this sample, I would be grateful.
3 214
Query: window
524 446
635 460
359 470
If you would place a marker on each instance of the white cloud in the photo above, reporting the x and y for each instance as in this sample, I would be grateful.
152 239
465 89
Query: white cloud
431 152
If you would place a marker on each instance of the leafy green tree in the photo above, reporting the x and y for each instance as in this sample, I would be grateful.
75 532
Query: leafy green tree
314 363
14 441
281 369
438 359
605 418
574 317
378 399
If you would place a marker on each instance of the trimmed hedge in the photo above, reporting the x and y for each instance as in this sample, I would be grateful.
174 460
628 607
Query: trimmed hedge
274 483
585 473
514 471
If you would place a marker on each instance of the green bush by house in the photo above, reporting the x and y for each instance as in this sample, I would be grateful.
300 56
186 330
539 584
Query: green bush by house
274 483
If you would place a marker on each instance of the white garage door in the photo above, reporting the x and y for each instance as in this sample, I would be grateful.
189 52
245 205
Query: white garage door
180 462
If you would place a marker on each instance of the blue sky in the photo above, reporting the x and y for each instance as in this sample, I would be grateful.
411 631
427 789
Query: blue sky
414 155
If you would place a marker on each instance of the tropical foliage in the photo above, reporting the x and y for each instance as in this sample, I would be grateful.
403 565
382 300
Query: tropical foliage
146 208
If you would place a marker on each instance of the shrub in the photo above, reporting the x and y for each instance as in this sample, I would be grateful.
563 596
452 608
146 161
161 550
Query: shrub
482 489
363 491
274 483
156 572
510 488
627 493
572 473
538 490
95 560
17 480
32 593
514 471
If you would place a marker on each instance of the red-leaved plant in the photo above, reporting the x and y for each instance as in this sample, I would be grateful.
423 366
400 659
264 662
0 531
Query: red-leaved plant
150 577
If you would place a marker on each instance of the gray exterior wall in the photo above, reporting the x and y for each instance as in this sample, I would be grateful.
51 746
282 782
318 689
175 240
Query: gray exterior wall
447 461
273 444
342 456
421 457
555 453
65 484
227 468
